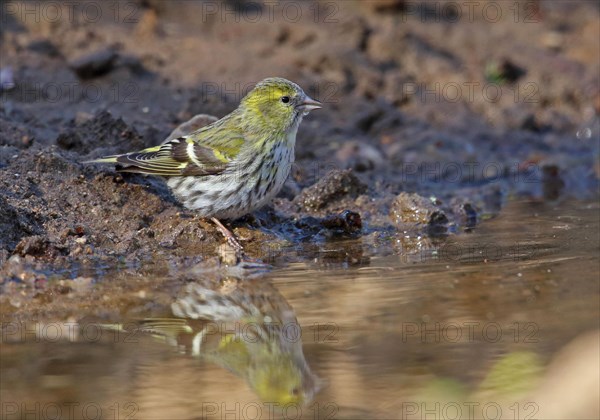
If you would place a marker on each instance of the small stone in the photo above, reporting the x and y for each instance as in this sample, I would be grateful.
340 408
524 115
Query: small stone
553 184
504 71
26 141
346 224
553 40
44 46
387 6
95 64
335 185
359 156
411 211
32 245
82 117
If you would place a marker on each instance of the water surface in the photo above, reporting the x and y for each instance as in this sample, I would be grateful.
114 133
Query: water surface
498 322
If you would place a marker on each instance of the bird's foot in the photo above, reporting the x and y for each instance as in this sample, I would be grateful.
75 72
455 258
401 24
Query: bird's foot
231 239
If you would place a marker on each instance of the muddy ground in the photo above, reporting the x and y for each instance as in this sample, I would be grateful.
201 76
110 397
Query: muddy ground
434 117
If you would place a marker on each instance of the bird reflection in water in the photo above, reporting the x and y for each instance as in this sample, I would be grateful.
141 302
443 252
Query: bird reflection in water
246 327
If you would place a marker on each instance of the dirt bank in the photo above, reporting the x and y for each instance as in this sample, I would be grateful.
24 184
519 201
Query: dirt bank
416 101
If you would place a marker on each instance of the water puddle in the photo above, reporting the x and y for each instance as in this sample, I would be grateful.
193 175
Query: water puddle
498 323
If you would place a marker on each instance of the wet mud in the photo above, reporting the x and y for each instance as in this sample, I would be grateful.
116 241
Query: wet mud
426 132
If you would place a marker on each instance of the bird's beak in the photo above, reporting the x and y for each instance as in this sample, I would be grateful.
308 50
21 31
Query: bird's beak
309 104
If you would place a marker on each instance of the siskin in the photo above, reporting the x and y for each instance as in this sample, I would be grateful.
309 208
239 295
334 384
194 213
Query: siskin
247 328
236 164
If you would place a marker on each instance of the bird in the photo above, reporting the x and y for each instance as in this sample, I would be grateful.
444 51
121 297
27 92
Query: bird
234 165
244 326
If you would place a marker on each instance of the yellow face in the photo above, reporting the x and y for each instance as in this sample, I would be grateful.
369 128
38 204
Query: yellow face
278 381
277 103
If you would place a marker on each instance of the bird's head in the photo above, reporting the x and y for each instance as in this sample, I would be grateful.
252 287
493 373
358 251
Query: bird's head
283 380
276 103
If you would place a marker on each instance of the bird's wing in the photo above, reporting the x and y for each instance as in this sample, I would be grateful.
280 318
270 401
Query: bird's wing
194 154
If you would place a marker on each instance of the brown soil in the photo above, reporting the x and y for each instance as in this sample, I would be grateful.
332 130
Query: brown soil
466 113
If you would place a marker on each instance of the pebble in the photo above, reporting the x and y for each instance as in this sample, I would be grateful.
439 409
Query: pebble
95 64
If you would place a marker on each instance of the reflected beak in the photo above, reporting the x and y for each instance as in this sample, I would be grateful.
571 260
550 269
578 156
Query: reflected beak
309 104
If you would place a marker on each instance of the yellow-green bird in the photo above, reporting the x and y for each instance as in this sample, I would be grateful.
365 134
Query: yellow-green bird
246 327
236 164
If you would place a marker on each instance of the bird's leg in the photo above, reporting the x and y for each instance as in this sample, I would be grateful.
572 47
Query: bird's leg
231 239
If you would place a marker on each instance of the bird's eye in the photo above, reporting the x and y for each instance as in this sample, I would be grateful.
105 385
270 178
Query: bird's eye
285 99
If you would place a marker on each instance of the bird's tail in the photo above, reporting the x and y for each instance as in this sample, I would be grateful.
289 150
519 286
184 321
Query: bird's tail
106 159
157 160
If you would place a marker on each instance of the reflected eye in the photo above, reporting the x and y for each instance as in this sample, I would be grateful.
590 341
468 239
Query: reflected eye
285 99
